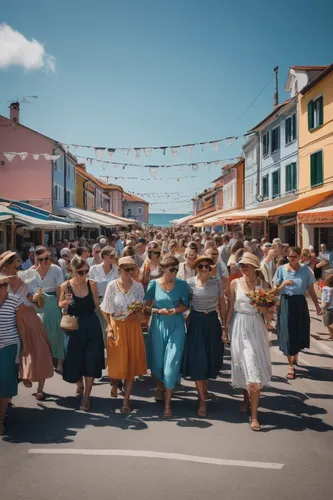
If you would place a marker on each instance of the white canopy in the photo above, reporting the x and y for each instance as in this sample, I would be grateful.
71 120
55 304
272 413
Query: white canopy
89 218
31 222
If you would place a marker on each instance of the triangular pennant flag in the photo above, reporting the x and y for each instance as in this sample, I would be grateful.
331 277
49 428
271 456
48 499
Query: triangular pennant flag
137 152
195 167
203 146
111 152
126 150
148 151
23 156
54 157
9 156
153 171
174 150
35 157
164 151
189 148
99 152
216 145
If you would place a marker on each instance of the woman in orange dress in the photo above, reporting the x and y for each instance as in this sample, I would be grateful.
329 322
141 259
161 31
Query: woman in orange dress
126 354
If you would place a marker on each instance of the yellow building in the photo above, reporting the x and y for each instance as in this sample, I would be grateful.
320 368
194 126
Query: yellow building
315 141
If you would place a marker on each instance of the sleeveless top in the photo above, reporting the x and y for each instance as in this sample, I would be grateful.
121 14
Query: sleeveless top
81 306
242 301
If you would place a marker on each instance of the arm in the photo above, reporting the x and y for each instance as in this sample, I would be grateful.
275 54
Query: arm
314 298
222 308
94 291
21 327
231 307
63 303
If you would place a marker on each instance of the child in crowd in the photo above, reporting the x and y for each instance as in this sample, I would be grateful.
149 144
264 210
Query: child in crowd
327 304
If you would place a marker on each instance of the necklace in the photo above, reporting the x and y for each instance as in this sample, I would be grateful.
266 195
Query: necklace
122 288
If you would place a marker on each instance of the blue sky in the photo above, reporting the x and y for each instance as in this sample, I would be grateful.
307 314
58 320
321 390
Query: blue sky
137 73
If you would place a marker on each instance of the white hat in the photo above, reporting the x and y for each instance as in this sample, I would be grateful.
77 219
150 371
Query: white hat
64 251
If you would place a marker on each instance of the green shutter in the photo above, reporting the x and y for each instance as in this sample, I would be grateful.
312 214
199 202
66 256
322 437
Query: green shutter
310 115
288 178
313 169
321 110
294 176
320 167
294 133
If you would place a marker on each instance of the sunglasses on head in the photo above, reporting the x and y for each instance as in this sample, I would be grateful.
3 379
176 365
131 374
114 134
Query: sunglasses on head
173 269
82 273
4 285
204 266
43 259
129 269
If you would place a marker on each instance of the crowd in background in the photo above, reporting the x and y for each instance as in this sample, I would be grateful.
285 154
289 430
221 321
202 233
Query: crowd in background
168 300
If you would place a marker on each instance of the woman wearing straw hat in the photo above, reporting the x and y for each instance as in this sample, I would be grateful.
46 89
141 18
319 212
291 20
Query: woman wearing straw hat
36 361
121 306
203 354
251 367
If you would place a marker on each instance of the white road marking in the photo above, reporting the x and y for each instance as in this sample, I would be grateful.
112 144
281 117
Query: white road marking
156 454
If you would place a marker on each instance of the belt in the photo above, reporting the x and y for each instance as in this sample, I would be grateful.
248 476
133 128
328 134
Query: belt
205 312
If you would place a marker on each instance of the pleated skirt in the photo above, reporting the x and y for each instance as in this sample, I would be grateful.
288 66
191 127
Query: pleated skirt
293 324
51 317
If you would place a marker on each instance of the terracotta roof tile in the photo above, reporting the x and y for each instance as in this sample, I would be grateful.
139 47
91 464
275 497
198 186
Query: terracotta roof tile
309 68
272 113
132 197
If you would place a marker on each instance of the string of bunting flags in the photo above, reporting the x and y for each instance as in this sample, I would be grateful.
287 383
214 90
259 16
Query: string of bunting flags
147 150
36 156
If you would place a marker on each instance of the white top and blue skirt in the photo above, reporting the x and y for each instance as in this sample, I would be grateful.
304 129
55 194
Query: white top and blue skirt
293 321
203 353
166 335
51 314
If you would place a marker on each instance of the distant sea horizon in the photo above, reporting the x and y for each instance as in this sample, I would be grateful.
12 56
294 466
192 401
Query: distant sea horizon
163 220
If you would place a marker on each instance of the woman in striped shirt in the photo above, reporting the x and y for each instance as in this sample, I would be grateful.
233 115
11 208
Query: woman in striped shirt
11 326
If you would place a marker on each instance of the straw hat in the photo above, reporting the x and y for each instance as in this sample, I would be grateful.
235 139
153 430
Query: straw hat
250 259
126 260
4 257
203 258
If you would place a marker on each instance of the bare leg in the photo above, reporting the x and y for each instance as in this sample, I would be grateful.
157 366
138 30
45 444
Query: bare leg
255 396
330 331
167 403
159 392
291 369
59 365
80 387
126 409
246 403
40 396
88 382
202 386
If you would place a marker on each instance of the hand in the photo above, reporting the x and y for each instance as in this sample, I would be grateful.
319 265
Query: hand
110 332
68 298
167 312
288 283
319 311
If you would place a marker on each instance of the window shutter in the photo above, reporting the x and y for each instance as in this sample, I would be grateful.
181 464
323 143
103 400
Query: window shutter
321 110
287 124
320 167
294 176
310 115
288 178
294 134
313 170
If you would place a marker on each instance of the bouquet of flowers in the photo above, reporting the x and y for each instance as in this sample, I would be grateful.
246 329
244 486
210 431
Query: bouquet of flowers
264 301
135 306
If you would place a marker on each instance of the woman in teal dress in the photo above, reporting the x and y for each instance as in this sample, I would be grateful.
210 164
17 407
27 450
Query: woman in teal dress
167 299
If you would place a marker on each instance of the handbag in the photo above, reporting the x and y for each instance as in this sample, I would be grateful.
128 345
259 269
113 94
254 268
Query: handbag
40 300
68 322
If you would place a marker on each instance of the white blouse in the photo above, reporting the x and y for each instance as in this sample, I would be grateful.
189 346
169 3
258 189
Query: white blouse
51 281
116 302
184 273
97 274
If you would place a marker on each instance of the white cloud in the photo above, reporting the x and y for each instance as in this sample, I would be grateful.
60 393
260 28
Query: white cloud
16 50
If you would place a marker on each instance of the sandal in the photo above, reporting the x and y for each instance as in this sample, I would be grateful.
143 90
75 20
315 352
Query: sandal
202 412
167 413
254 425
291 375
40 396
85 406
27 383
159 396
126 408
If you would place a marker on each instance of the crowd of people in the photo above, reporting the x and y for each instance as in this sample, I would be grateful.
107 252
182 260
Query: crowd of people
167 300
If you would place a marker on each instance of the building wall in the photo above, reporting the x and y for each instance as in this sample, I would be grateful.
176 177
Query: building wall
79 192
135 210
318 139
277 161
64 180
250 172
116 202
240 184
30 179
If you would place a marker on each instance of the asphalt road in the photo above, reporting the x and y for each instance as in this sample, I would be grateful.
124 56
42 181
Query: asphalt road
55 451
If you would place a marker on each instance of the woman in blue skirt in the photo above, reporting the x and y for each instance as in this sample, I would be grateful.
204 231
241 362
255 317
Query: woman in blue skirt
203 354
293 323
167 299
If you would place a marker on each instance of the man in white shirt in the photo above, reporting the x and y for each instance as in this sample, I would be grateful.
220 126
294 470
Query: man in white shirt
140 252
63 261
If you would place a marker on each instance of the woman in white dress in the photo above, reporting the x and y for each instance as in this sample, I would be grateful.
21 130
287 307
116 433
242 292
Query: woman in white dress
186 269
251 367
105 272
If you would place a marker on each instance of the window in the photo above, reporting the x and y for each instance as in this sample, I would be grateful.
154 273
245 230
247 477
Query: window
249 192
276 184
291 177
56 193
265 144
69 171
68 198
139 210
316 168
290 129
129 211
275 139
265 186
315 113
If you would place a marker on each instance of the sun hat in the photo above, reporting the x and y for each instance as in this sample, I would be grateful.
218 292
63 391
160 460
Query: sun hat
201 259
126 260
6 256
250 259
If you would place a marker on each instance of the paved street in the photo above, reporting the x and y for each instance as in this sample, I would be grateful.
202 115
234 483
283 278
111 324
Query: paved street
104 455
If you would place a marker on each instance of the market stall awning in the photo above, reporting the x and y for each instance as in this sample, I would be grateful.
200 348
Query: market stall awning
31 221
4 217
183 221
320 215
88 218
123 221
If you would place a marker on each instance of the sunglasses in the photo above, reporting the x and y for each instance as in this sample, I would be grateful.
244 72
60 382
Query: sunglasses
156 253
295 256
129 269
173 269
43 259
204 266
82 273
244 266
4 285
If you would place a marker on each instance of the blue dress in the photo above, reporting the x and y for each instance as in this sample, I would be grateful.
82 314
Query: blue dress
166 335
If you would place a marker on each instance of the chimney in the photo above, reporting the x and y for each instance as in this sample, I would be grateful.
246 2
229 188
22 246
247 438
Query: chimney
15 111
276 95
